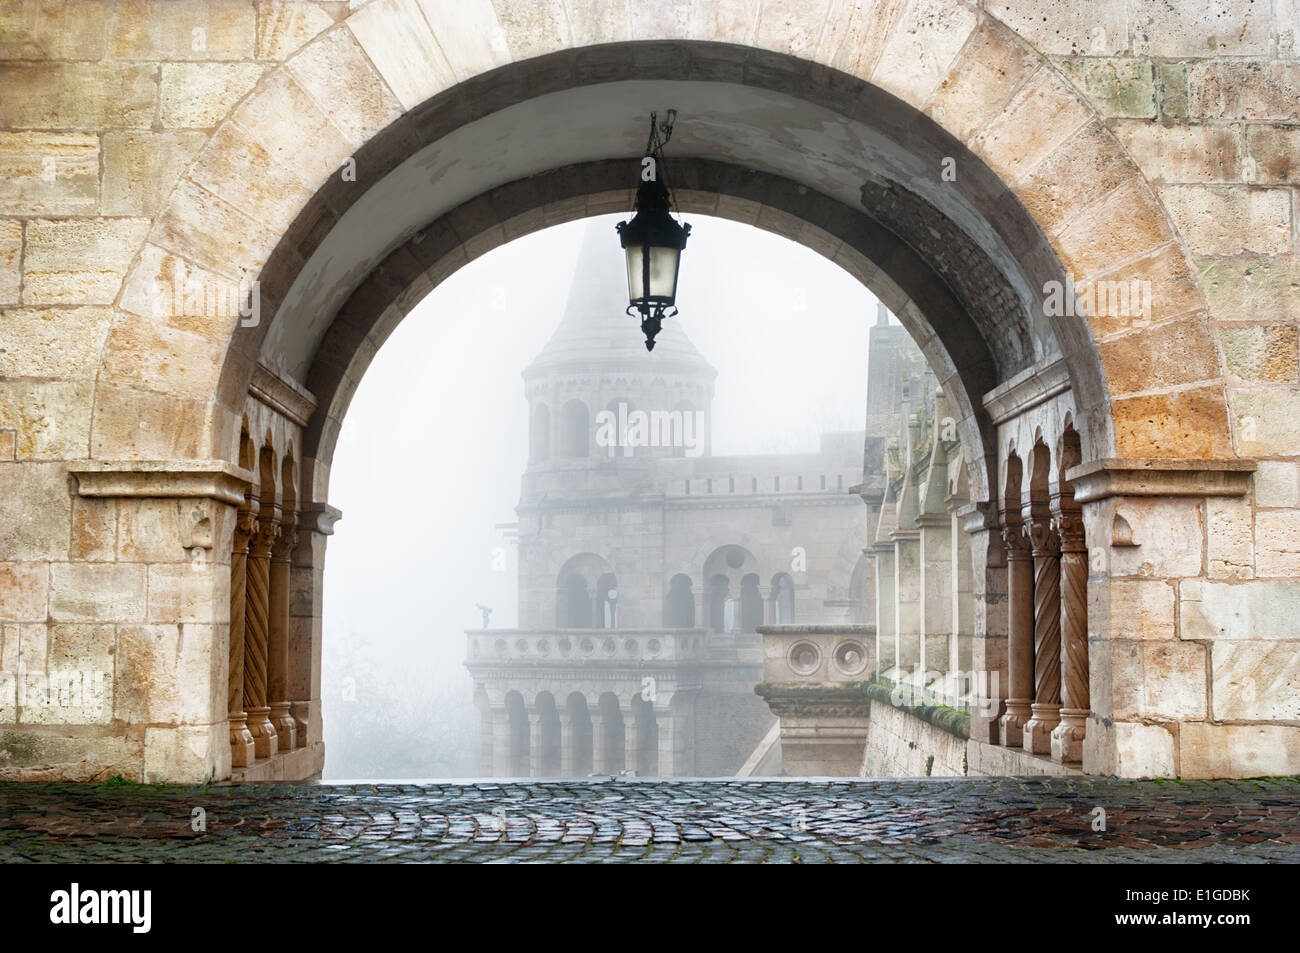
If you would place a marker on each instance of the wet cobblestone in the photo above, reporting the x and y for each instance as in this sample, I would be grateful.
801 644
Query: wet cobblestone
933 820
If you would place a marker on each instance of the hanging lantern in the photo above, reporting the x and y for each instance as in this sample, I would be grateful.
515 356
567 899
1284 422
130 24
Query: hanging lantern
653 240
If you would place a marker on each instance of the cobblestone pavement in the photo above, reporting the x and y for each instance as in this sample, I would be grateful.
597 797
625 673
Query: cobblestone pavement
931 820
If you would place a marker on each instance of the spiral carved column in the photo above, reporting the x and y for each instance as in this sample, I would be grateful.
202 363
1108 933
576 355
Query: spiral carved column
242 751
1047 638
257 634
286 728
1020 631
1076 704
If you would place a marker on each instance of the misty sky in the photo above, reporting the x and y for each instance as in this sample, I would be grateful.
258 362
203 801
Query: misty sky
432 449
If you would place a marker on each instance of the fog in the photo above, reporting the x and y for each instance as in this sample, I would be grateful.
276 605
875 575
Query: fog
429 460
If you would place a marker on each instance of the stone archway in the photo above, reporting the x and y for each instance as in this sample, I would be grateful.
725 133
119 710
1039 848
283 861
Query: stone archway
835 128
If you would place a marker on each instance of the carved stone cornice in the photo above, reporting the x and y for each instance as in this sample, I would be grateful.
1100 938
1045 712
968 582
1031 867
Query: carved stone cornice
806 702
162 479
319 518
285 397
1031 387
1101 479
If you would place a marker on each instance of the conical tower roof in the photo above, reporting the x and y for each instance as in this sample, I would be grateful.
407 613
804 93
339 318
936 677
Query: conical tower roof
594 330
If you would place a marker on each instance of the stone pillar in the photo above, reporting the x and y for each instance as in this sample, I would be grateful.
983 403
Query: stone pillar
988 656
242 748
935 594
315 525
1047 637
963 616
907 601
1068 737
535 730
630 740
667 741
886 647
567 744
256 634
1020 631
501 738
599 762
286 728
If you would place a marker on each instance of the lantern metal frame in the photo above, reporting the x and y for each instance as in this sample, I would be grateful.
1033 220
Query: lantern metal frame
652 226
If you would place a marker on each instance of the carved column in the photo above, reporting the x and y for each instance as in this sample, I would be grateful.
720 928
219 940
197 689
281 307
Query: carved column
1047 637
241 740
502 744
568 744
631 741
1076 705
1020 631
600 743
278 635
256 634
535 745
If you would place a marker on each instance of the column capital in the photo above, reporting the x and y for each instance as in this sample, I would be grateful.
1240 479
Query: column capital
286 540
1042 536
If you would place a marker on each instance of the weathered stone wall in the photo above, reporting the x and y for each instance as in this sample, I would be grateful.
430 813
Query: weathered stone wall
1146 141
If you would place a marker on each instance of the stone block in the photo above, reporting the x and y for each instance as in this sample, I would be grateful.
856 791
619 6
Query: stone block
290 126
143 354
1165 681
78 96
24 591
237 168
400 44
76 685
142 168
97 592
1169 537
1183 153
1041 116
1133 609
1163 355
1277 483
50 420
94 529
213 233
1090 243
189 592
541 27
1190 424
1173 292
1277 543
1097 29
1266 420
922 47
1252 289
1086 168
1276 153
1225 90
1230 548
1259 609
1118 86
200 95
1255 680
184 30
59 343
473 31
284 26
170 674
1142 751
1229 220
55 30
335 72
1238 751
40 754
11 250
1262 353
37 513
48 173
187 754
78 261
1226 28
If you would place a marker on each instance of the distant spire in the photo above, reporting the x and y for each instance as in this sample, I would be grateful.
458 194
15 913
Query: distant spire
882 313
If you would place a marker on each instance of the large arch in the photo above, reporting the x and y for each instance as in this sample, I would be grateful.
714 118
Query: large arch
834 127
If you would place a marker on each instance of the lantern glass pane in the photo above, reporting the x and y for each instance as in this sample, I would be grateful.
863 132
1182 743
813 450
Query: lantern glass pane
663 272
635 289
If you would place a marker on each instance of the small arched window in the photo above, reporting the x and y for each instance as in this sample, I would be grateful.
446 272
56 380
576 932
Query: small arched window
576 434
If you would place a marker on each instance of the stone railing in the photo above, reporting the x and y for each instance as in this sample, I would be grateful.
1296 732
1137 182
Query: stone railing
585 646
817 654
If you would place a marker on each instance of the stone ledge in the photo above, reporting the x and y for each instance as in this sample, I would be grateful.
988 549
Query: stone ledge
300 764
282 395
1102 479
849 700
951 720
1032 386
162 479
